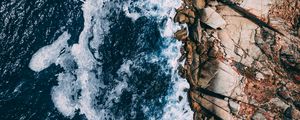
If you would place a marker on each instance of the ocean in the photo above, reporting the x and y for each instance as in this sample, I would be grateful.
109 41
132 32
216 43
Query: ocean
90 60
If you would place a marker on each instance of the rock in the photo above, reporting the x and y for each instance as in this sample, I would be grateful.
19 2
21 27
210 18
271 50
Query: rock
258 116
181 18
299 32
195 97
213 3
284 95
185 15
288 113
295 114
199 4
291 113
190 13
197 32
189 49
257 7
259 76
181 71
181 35
242 61
297 104
279 103
234 107
212 18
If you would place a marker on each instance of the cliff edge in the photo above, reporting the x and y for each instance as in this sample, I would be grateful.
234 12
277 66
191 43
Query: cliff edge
241 58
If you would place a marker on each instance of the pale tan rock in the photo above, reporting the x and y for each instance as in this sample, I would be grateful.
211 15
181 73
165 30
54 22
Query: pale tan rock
212 18
259 8
213 3
243 61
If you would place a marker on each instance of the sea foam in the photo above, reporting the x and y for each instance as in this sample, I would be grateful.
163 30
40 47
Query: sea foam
81 67
47 55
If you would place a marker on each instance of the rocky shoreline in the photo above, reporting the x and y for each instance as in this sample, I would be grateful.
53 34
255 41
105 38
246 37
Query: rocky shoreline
241 66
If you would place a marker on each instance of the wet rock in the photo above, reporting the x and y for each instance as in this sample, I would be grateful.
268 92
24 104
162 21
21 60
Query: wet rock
189 49
180 98
181 18
185 15
212 18
181 35
181 71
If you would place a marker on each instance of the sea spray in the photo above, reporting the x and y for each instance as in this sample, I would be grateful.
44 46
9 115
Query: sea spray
83 85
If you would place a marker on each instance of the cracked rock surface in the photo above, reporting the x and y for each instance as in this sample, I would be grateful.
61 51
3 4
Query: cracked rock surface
238 69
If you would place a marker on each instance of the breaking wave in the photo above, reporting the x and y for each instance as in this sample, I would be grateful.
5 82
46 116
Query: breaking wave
123 66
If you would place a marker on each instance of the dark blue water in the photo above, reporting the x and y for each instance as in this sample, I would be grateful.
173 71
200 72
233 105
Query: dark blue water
25 26
128 79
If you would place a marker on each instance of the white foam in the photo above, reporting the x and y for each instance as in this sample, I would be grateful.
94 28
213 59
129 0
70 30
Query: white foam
151 8
83 77
174 108
61 94
47 55
165 9
134 16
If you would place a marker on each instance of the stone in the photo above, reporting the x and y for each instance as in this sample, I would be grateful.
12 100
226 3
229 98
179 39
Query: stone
181 35
258 116
181 18
189 49
234 107
284 95
199 4
190 13
279 103
297 104
213 3
181 71
257 7
185 15
288 113
299 32
212 18
295 114
242 61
